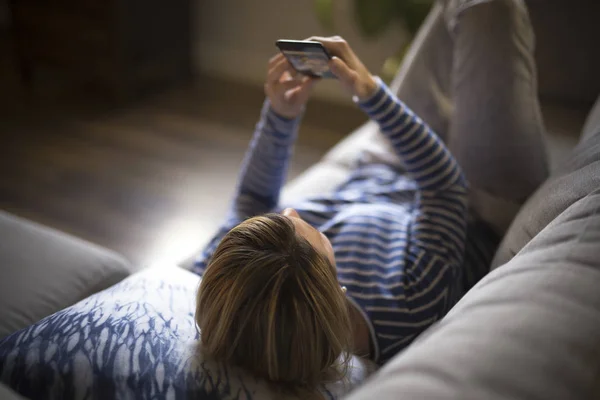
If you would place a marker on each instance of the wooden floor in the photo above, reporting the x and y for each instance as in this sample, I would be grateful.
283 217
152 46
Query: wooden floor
152 179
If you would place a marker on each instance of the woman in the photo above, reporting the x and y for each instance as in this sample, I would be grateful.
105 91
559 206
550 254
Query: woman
286 295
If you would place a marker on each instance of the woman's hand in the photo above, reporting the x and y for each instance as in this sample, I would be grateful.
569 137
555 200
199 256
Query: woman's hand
347 67
287 90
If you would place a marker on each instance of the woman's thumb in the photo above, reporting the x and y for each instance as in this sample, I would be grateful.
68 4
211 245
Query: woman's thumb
341 70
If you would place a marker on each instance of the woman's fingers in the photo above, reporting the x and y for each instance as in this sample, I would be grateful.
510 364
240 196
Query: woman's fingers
295 87
289 74
277 70
335 45
282 77
287 90
341 70
288 85
347 67
301 93
274 60
280 69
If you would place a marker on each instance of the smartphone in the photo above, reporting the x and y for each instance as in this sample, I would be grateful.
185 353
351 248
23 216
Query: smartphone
307 57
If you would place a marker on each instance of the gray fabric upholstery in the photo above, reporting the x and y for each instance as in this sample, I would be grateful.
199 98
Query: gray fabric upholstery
577 177
44 271
8 394
529 330
592 122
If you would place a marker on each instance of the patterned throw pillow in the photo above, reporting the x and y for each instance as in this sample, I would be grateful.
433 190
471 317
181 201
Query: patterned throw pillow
135 340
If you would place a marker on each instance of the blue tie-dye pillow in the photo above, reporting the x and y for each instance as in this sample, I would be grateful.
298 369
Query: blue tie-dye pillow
135 340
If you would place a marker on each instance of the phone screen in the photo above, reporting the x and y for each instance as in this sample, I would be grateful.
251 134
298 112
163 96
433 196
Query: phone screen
309 60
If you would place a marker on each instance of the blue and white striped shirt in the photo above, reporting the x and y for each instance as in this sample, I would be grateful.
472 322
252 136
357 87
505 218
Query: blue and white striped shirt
399 236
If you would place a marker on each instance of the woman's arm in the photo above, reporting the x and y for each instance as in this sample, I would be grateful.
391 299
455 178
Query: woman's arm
439 222
439 225
424 156
437 231
266 163
265 167
262 174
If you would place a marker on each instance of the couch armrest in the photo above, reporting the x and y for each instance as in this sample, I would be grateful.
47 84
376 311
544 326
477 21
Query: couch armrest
44 271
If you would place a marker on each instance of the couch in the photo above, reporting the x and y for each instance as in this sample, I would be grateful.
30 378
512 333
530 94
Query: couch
529 330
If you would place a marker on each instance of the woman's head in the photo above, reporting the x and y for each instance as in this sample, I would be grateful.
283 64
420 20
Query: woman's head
270 302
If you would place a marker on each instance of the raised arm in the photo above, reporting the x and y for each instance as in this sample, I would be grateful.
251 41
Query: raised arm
423 154
433 267
262 174
440 218
265 166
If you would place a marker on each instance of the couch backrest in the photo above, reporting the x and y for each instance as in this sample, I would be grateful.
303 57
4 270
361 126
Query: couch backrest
577 177
526 331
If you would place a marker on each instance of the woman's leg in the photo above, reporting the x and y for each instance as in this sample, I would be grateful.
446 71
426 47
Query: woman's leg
471 76
423 82
496 129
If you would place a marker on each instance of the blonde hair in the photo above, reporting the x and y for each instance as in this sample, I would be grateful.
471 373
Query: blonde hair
271 304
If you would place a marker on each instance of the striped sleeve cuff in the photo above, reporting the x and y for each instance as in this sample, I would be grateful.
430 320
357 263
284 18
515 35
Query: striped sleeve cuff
374 104
282 128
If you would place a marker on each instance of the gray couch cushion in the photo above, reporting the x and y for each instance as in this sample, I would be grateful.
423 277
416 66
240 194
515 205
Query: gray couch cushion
592 122
577 177
8 394
44 271
528 330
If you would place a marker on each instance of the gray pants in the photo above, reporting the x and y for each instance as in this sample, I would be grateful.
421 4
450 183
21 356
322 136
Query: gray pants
474 81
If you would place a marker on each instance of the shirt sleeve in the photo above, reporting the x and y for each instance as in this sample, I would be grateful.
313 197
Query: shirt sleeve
265 166
432 269
439 223
262 175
